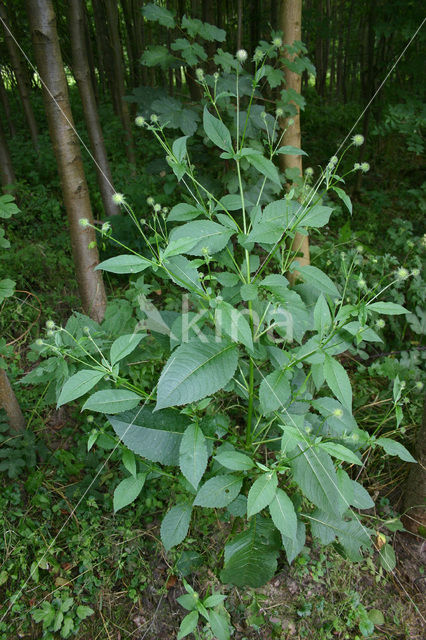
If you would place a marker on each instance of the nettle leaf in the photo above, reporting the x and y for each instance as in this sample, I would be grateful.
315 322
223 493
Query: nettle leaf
156 437
183 273
157 55
191 53
124 345
217 132
175 525
251 556
293 546
340 452
128 490
322 316
193 454
232 322
112 401
387 308
338 381
234 460
219 624
205 30
219 491
265 166
159 14
317 279
274 392
79 384
394 448
195 370
283 514
351 533
207 235
126 263
314 472
276 218
261 493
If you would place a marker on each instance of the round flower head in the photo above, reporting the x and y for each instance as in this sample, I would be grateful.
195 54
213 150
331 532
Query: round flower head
402 273
279 112
360 248
150 201
50 324
357 139
84 222
157 208
216 75
200 75
154 117
241 56
333 160
419 386
263 115
337 413
277 42
357 166
140 121
365 167
258 55
380 324
106 227
39 342
309 171
415 272
361 284
118 198
89 418
50 333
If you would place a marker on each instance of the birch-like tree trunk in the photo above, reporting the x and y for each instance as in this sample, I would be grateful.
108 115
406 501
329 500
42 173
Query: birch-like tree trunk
291 26
68 157
81 70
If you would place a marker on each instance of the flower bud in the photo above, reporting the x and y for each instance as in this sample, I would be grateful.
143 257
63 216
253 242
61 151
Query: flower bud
241 56
118 198
357 140
140 121
50 324
84 222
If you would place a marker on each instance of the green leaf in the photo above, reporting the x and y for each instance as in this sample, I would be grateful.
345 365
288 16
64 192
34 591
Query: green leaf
289 150
231 321
283 514
157 55
192 53
261 493
293 546
248 292
156 437
188 625
314 472
344 197
394 448
207 235
340 452
219 625
318 279
206 31
128 490
124 345
218 492
351 533
316 216
7 288
251 556
234 460
387 308
178 246
387 557
159 14
182 212
84 612
112 401
79 384
179 148
217 132
274 392
183 273
322 316
126 263
175 525
214 600
195 370
265 167
193 454
376 617
338 381
129 461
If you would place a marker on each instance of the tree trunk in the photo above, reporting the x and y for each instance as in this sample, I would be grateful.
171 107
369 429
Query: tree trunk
10 404
118 74
415 488
291 22
7 173
240 24
20 75
6 107
81 72
65 142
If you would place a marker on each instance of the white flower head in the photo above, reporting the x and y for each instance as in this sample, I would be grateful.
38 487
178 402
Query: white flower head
84 222
106 227
361 284
357 140
39 342
118 198
258 55
365 167
415 272
277 42
402 273
337 413
50 324
157 208
200 74
360 248
279 112
216 75
241 56
309 171
140 121
154 117
419 385
380 324
150 201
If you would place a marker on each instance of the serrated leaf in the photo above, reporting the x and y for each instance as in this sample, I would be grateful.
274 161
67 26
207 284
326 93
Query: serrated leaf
156 437
394 448
387 308
293 546
128 490
318 280
274 392
126 263
84 612
193 454
266 167
340 452
216 131
124 345
234 460
159 14
322 316
183 273
387 557
338 381
232 322
112 401
178 246
195 370
283 514
218 492
183 212
157 55
316 216
261 493
175 525
79 384
205 234
351 533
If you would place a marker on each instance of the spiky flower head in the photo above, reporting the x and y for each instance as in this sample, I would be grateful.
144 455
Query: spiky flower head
357 139
360 248
118 198
154 117
140 121
361 284
200 75
39 342
84 222
258 55
50 324
365 167
277 42
380 324
357 166
241 56
419 385
415 272
216 75
402 273
279 112
337 413
157 208
150 201
309 171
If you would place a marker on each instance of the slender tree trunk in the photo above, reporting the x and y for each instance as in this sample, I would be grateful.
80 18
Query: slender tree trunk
113 27
415 489
20 75
7 173
291 19
6 106
65 142
10 404
104 52
81 71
